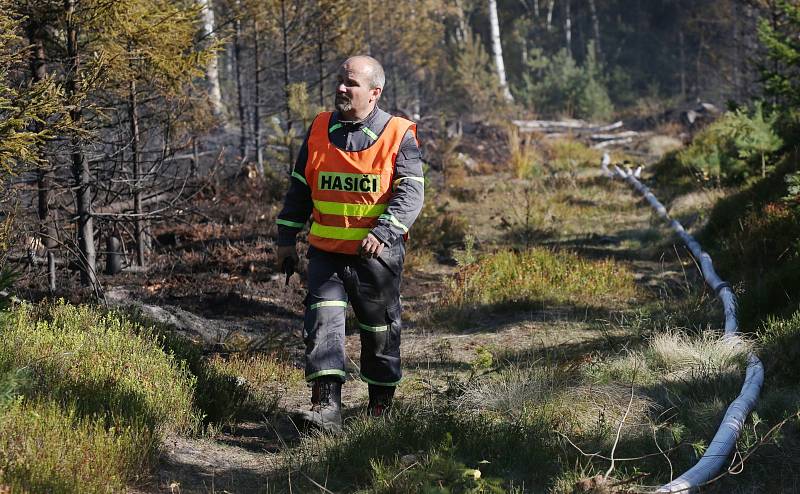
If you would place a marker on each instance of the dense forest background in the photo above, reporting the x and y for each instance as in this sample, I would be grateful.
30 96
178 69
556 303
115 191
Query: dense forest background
144 97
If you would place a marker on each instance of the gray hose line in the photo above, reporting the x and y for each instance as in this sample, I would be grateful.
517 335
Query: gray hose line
724 441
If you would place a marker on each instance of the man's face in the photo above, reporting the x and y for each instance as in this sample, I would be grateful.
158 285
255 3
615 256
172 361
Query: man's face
354 97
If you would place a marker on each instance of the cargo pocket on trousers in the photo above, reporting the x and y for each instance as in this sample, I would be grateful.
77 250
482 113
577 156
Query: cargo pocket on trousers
392 346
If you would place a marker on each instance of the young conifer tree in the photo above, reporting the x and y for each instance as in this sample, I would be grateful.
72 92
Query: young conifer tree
28 116
781 37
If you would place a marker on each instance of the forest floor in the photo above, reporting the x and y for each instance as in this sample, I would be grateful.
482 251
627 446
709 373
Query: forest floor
223 271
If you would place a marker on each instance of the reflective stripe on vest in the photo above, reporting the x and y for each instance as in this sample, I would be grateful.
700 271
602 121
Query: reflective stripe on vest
350 189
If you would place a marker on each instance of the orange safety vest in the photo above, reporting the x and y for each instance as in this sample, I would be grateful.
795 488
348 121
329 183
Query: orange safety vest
350 189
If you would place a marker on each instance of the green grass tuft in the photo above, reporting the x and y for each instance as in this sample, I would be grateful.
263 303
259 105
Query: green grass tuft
47 448
538 276
265 378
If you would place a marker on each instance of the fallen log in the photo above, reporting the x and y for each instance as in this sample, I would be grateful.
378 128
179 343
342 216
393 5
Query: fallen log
119 207
615 142
571 125
617 135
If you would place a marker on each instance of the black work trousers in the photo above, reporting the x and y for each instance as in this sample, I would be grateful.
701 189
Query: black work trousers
372 286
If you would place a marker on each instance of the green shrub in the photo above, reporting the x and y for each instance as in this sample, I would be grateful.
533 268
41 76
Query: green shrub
438 472
437 229
734 148
473 87
780 341
779 35
538 276
85 397
103 364
753 238
263 379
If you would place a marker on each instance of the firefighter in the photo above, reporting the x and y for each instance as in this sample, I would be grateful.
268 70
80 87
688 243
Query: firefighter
359 176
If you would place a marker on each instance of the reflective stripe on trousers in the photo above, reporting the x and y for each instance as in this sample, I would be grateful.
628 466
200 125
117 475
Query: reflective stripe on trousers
372 286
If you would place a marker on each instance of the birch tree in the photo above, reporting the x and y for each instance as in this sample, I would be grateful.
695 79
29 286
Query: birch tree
209 35
497 49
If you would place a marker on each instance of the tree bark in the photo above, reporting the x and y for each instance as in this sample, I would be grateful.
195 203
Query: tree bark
285 48
497 50
257 105
550 9
237 55
682 55
212 67
320 40
80 165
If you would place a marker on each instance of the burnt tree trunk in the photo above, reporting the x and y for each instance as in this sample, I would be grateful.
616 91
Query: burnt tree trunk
80 165
237 55
138 222
682 63
285 48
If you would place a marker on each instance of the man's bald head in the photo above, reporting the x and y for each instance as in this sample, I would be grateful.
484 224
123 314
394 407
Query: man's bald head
359 85
371 68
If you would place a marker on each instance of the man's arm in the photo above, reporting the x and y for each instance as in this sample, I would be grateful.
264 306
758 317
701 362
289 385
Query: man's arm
408 192
297 205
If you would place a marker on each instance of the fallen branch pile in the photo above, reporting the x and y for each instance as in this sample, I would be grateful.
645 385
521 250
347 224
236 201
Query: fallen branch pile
601 136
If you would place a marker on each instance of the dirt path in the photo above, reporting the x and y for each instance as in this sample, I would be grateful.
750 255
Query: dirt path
596 219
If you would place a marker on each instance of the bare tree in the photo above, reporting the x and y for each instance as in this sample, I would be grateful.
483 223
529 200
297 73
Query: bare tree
80 165
595 29
237 55
257 104
568 27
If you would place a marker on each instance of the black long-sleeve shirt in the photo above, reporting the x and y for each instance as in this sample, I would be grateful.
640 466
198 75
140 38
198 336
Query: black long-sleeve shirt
407 195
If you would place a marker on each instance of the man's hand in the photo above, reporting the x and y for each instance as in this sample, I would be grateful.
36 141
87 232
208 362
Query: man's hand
286 252
371 246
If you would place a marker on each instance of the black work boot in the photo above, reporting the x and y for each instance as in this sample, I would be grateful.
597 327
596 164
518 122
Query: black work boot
380 400
326 405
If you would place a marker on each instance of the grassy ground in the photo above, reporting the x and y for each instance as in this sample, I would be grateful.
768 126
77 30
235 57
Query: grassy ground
554 334
568 336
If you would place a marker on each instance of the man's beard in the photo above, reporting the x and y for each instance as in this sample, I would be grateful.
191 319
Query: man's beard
343 104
